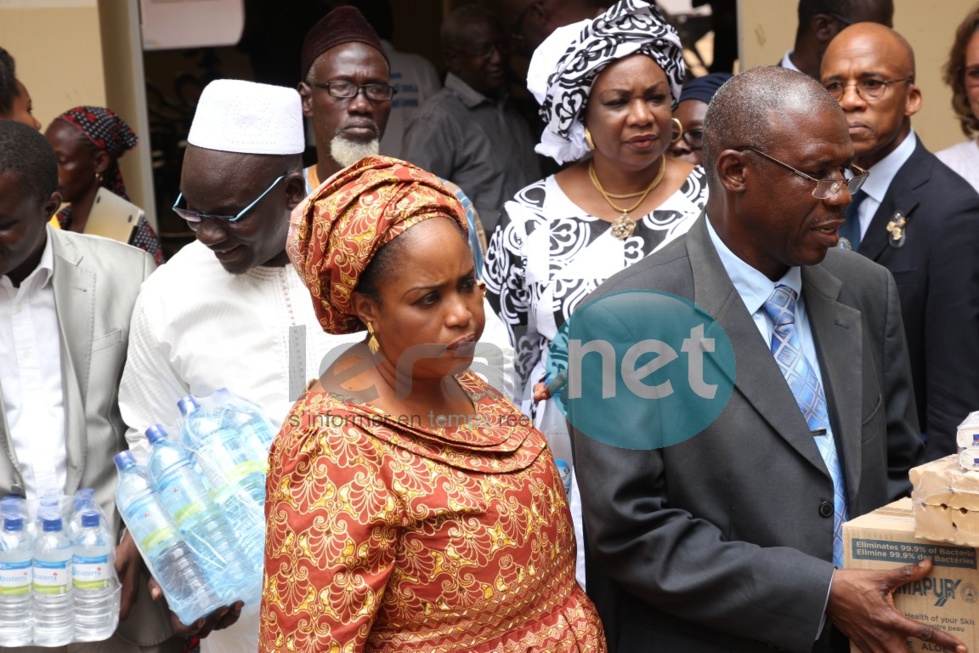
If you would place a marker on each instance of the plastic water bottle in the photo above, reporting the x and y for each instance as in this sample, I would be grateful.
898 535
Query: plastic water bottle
83 501
169 558
189 503
555 429
94 580
235 471
54 619
245 417
16 577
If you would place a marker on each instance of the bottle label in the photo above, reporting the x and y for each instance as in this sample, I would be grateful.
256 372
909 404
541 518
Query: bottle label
16 577
91 572
148 523
180 505
51 576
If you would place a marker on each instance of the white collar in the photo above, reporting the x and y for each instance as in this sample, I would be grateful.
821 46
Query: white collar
882 173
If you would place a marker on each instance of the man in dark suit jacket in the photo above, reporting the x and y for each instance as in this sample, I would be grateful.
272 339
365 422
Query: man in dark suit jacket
80 291
725 541
918 219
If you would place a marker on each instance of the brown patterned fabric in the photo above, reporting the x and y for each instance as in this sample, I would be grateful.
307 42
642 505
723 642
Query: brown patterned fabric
397 536
340 226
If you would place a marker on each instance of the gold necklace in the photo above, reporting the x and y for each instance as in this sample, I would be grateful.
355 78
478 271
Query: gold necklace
624 226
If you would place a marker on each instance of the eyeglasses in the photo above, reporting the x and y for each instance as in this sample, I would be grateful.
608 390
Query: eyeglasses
869 89
970 75
846 21
825 188
694 138
194 218
347 90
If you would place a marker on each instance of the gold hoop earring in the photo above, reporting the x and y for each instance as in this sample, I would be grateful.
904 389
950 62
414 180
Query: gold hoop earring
678 132
372 343
591 143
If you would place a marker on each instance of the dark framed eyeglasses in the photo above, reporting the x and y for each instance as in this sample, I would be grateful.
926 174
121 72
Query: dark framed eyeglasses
870 89
694 138
346 90
825 188
194 218
842 19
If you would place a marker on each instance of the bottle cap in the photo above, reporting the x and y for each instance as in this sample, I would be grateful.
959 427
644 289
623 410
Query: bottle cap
124 459
188 405
90 518
13 523
156 433
49 524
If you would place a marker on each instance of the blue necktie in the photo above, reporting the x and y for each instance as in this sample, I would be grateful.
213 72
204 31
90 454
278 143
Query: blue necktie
851 228
808 393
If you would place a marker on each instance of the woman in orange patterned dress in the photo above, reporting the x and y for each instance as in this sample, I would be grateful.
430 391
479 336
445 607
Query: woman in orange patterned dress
410 506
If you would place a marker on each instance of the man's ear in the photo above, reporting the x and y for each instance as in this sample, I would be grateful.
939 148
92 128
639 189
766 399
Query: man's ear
452 61
306 95
913 105
295 189
52 204
731 170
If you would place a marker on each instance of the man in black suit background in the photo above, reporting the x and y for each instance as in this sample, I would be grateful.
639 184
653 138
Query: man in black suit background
917 218
728 540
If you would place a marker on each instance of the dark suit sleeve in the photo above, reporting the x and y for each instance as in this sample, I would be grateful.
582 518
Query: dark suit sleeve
951 335
678 563
904 446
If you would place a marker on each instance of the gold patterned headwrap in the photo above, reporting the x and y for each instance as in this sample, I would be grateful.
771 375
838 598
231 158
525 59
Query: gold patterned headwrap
337 230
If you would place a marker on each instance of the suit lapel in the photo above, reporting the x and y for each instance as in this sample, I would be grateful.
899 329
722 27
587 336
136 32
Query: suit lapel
74 297
899 200
838 333
758 376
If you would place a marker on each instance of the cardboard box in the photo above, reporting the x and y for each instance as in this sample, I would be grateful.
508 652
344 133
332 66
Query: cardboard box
946 599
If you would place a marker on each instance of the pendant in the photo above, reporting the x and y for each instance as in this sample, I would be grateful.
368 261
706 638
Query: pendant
623 226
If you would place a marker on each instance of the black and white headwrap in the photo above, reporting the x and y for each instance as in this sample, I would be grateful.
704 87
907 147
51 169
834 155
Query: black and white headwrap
565 66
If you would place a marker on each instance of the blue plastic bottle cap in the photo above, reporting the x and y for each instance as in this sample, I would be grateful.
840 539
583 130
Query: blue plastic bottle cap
53 524
13 523
156 433
188 405
90 518
124 459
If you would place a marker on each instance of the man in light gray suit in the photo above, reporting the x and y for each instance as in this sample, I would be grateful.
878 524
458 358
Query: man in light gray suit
65 305
728 541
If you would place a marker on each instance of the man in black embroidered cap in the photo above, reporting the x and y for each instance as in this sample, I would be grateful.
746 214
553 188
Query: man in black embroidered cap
345 91
915 217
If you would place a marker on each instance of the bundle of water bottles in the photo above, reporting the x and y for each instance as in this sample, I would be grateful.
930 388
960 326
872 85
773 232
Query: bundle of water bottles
197 509
58 582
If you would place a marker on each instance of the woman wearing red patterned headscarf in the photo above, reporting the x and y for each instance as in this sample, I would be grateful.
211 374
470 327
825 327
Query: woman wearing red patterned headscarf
410 506
88 142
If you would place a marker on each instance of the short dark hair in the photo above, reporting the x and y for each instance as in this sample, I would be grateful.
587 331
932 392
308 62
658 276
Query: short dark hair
454 25
809 8
8 83
27 153
953 73
742 109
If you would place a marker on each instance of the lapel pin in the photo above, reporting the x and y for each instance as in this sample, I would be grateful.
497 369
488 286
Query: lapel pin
896 229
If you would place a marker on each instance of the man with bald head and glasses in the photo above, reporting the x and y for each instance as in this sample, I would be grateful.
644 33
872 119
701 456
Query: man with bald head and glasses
820 427
917 218
229 310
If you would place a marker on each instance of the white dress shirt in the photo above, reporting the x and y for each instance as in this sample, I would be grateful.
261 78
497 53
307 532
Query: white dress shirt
30 377
881 175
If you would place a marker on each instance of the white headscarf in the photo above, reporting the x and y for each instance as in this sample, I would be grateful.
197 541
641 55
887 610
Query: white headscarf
565 66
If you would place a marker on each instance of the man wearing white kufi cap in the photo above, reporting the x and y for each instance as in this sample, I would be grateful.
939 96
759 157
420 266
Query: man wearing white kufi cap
229 310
